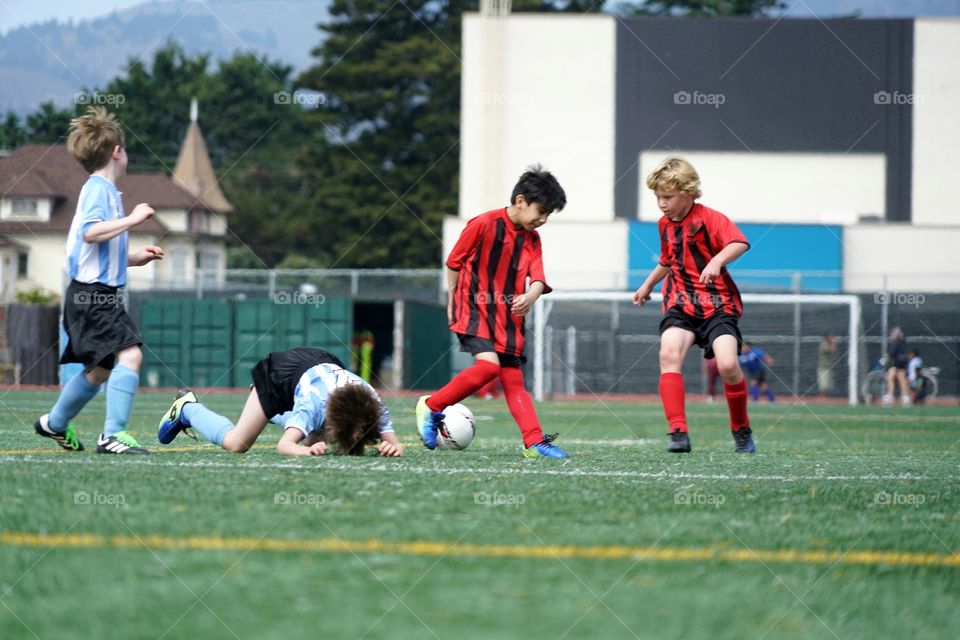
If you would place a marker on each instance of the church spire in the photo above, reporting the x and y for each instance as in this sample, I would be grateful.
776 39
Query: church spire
194 171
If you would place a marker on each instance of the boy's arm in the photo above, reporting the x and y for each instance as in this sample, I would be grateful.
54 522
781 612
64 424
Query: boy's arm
107 229
727 255
289 444
453 276
642 294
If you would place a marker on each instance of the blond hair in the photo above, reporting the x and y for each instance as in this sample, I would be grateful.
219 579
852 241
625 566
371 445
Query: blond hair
93 137
675 174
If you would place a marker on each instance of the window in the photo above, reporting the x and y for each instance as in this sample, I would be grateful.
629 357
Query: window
22 264
199 222
26 207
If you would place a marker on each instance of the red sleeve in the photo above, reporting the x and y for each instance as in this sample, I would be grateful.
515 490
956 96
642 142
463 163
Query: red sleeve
468 240
536 267
722 230
661 226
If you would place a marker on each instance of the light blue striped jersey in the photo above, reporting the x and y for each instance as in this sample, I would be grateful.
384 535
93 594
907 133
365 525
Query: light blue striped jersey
310 399
104 262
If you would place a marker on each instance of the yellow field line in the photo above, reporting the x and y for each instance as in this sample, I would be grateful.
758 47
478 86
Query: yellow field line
439 548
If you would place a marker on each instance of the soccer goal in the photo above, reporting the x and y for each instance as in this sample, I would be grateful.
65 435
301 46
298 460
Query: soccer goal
598 342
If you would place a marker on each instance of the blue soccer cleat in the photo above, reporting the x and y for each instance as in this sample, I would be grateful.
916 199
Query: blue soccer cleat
173 420
429 423
744 440
546 449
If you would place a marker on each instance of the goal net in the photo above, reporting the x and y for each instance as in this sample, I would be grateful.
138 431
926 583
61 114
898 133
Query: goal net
599 343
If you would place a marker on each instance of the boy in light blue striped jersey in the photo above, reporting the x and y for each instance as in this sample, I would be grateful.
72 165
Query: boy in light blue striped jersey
101 335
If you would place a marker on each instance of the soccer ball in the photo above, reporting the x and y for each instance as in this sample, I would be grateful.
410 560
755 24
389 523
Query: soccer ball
458 428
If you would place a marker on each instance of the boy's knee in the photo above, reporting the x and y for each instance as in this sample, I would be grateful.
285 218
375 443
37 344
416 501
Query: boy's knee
728 368
236 447
131 357
670 357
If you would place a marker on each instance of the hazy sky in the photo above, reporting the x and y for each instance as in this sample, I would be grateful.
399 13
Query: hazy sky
15 13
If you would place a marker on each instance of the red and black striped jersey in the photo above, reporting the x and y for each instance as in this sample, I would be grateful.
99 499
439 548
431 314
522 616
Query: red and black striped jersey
495 258
685 248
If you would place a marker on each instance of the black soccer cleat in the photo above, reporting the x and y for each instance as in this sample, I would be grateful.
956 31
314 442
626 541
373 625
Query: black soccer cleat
120 442
679 442
68 439
744 440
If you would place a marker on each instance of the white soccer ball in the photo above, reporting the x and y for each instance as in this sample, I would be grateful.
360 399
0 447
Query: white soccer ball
459 427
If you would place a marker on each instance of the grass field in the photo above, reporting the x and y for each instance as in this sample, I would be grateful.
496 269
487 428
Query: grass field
845 524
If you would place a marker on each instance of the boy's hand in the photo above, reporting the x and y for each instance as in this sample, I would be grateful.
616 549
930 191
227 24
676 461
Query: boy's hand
522 303
145 256
141 213
450 310
391 449
641 295
318 449
710 272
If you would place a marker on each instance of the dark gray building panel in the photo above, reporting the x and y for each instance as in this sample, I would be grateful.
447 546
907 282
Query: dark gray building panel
764 85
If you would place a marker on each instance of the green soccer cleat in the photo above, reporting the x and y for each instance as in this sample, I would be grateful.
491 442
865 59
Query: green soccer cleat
120 442
68 439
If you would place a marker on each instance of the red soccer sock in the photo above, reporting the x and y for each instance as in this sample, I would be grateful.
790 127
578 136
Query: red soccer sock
521 405
463 385
672 395
737 404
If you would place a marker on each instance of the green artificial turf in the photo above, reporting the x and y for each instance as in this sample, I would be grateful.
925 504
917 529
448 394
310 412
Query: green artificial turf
621 541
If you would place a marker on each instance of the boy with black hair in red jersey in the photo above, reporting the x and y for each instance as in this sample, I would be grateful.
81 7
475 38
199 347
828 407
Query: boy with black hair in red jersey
487 274
701 303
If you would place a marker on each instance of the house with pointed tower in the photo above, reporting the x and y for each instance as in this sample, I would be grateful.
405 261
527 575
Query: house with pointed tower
39 185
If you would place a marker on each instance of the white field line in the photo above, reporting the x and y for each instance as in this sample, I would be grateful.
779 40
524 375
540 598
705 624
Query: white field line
530 469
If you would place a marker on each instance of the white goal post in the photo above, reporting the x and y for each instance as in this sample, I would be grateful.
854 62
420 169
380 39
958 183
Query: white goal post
608 306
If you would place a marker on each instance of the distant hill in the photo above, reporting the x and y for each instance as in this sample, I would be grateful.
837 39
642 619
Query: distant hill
54 60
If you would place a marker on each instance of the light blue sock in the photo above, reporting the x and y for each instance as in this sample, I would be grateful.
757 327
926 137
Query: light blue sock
770 396
212 425
121 388
73 397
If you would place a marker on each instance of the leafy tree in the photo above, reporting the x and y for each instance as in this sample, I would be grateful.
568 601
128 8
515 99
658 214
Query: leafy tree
383 167
705 8
12 135
48 125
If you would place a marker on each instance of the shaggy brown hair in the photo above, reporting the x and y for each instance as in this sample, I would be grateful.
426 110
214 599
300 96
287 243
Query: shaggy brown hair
353 419
93 137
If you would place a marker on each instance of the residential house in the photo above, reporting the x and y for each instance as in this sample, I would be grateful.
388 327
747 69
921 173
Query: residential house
39 186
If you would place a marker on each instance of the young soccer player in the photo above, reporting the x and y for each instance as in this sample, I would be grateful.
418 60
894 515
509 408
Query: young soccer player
308 392
701 303
100 334
487 274
755 361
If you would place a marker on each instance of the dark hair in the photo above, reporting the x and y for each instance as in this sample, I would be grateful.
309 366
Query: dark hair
352 419
540 186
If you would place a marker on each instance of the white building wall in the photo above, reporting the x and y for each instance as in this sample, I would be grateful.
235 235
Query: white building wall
46 264
936 126
576 255
827 188
174 220
538 89
901 258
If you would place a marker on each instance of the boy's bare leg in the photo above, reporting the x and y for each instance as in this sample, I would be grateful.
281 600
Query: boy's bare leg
249 426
